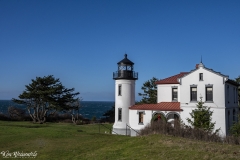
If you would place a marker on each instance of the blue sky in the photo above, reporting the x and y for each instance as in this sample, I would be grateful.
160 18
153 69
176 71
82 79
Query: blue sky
81 41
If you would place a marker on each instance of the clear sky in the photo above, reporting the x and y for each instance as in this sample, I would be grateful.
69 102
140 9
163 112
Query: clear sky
81 41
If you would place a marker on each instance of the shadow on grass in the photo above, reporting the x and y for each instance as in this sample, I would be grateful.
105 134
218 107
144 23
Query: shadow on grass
80 130
26 125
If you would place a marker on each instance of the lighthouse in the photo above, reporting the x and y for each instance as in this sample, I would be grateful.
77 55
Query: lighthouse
125 79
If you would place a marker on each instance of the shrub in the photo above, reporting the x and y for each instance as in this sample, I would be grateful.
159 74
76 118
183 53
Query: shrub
3 117
232 140
180 130
16 113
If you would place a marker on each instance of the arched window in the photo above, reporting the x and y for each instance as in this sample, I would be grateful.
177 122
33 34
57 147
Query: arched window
158 116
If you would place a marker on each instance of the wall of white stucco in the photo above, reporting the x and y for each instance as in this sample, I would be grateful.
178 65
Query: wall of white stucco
208 78
134 118
218 116
220 98
126 100
164 92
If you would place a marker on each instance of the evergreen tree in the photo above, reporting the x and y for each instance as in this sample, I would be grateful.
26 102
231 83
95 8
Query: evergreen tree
202 117
46 95
149 91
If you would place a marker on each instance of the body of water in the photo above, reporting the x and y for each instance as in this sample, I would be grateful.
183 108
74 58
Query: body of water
88 108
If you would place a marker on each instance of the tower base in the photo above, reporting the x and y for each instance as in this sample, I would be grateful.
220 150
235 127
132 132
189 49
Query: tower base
134 133
125 132
121 131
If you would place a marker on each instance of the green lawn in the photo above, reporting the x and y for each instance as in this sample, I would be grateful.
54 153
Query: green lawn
67 141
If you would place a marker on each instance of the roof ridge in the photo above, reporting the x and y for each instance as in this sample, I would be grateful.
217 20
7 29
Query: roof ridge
172 76
172 79
210 69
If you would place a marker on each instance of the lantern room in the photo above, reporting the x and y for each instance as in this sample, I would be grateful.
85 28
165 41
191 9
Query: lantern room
125 70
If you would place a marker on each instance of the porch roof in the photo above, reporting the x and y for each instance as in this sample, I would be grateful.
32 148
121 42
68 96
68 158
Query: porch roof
162 106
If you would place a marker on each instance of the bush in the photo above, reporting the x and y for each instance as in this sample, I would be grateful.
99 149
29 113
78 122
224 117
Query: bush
56 117
180 130
4 117
232 140
16 113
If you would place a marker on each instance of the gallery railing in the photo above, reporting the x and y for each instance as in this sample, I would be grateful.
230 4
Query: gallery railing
125 74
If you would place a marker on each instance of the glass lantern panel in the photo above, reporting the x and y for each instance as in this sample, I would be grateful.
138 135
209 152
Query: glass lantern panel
129 68
121 67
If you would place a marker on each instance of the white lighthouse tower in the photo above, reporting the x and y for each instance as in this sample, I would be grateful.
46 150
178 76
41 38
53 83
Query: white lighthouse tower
125 79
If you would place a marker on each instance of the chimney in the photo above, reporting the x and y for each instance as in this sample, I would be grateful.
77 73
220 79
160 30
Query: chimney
196 66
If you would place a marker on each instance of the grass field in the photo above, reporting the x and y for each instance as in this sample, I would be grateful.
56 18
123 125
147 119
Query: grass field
67 141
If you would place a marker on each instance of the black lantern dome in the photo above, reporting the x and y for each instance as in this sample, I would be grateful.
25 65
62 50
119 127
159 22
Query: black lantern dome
125 70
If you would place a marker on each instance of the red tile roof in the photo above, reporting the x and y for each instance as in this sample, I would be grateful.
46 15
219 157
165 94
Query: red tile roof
162 106
172 80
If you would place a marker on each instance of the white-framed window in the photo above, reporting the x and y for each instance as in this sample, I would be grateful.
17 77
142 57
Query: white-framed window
193 93
119 114
200 76
174 94
209 93
119 90
140 117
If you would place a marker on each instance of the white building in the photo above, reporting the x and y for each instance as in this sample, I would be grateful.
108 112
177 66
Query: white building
177 96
